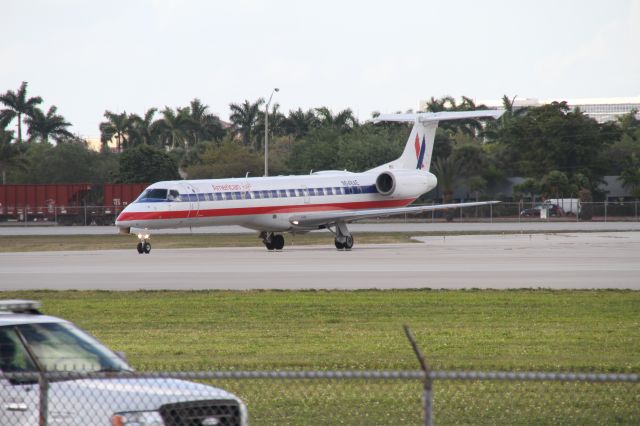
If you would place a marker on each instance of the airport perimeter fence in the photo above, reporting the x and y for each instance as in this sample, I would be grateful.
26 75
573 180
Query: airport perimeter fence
505 211
320 398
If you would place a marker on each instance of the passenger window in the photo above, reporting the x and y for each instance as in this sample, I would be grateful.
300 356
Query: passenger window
274 193
228 196
329 191
256 195
292 192
247 195
265 194
283 193
219 196
320 191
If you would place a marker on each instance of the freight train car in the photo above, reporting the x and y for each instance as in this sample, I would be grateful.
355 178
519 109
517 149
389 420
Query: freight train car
66 204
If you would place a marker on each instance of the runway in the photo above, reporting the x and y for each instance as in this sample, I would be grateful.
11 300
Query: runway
558 261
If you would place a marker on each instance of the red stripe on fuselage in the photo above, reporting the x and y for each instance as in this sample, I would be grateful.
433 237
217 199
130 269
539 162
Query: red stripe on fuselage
243 211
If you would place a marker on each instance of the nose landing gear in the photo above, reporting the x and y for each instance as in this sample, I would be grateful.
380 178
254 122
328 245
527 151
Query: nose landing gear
144 246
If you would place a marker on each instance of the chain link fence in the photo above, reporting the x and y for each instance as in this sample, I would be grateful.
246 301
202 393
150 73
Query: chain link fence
319 398
505 211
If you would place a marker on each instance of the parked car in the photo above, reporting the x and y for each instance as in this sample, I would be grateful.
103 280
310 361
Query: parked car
553 210
32 344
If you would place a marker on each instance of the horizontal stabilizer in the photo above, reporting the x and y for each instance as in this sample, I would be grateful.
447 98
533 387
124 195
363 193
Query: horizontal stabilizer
425 117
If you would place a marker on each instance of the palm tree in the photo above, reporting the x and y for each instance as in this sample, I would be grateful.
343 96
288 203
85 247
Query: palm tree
18 105
118 126
343 121
448 171
9 152
244 118
298 123
42 126
438 105
470 127
174 127
143 131
206 126
276 125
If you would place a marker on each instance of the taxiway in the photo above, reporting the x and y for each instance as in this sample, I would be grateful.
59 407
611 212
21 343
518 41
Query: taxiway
558 261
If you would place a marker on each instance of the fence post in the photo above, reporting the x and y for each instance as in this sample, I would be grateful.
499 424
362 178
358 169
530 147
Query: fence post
43 386
605 211
427 390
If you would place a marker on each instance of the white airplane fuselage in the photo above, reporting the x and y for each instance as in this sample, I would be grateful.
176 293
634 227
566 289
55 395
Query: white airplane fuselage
267 203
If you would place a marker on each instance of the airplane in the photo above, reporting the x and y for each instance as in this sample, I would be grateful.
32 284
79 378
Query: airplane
275 205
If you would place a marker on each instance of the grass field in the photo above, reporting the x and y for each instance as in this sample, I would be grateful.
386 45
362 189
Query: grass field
521 329
23 243
588 331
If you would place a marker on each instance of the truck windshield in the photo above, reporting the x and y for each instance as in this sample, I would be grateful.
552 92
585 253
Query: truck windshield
152 194
58 347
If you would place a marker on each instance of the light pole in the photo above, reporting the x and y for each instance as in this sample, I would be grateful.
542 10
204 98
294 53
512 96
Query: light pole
266 133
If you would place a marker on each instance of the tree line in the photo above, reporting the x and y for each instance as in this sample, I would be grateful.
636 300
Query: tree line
560 152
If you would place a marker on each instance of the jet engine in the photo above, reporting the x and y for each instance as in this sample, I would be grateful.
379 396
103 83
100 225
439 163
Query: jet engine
405 183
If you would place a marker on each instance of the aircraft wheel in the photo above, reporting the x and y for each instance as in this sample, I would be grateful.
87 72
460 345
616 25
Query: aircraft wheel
278 242
339 245
269 245
348 242
146 247
140 249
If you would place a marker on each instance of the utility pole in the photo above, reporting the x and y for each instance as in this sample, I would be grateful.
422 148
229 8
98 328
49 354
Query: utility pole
266 133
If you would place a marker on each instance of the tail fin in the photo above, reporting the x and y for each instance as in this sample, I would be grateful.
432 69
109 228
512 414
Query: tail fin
419 148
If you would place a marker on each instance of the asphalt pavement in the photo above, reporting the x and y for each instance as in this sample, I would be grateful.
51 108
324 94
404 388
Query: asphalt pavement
501 261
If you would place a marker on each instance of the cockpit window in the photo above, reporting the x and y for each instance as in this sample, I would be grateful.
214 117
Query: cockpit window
153 194
174 195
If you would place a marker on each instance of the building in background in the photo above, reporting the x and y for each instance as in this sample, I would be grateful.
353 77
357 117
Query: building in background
600 109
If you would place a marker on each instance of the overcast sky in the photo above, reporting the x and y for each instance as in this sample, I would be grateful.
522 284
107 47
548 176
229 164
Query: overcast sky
88 56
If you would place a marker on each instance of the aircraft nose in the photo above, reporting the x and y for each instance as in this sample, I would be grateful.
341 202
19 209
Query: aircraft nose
122 218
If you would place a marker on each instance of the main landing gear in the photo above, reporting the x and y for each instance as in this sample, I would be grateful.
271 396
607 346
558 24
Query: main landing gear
272 241
344 239
144 246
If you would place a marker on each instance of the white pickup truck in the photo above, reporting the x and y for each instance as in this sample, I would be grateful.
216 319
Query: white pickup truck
32 343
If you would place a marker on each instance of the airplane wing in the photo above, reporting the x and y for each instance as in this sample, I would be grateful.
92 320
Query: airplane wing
312 220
